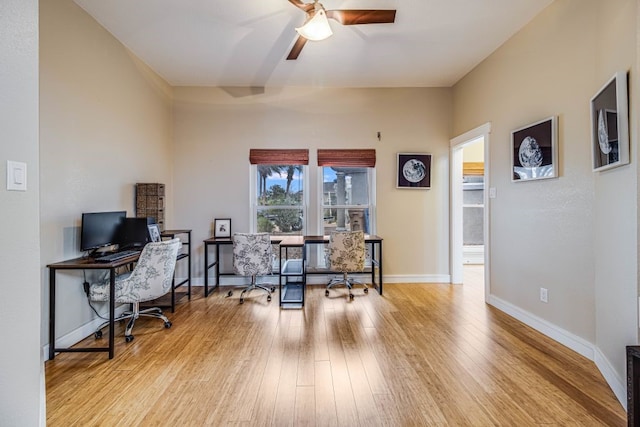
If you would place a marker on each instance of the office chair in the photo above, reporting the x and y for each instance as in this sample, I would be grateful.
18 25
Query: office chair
252 256
151 278
346 255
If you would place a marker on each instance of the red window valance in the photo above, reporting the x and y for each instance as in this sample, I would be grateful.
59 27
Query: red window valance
279 157
347 157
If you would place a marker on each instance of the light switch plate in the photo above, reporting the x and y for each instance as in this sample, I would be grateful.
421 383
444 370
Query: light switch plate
492 192
16 176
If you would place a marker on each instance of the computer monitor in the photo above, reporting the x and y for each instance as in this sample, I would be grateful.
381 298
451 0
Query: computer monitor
135 232
100 229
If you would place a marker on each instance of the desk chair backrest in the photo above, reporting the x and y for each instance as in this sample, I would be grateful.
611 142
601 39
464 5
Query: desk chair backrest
252 254
346 251
153 274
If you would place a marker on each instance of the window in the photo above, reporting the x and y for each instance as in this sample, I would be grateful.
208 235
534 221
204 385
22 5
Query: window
279 198
348 196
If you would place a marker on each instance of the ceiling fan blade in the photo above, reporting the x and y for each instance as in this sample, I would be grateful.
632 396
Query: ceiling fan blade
297 48
362 16
307 7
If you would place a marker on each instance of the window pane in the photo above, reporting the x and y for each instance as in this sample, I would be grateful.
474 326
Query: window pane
349 219
280 185
345 186
279 221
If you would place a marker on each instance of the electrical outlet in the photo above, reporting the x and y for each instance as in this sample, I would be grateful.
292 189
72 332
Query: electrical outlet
544 295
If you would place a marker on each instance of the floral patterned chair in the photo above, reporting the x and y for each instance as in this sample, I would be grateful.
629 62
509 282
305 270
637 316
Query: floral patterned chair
252 256
346 255
151 278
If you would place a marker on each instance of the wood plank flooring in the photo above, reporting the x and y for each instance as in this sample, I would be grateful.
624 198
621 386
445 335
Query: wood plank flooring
422 354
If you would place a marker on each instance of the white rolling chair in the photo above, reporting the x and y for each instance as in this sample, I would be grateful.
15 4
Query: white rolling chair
151 278
346 255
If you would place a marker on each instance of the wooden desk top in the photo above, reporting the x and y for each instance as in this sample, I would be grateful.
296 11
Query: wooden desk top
289 240
86 263
229 240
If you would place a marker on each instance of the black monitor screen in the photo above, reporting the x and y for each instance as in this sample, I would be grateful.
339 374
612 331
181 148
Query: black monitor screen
100 229
135 232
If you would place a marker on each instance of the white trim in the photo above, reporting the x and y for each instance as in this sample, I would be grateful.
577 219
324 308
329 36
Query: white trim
618 385
566 338
572 341
455 214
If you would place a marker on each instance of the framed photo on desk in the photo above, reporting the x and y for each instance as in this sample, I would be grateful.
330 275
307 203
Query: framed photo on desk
221 227
154 232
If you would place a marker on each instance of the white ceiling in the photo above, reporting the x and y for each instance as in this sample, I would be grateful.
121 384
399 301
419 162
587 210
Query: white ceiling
245 42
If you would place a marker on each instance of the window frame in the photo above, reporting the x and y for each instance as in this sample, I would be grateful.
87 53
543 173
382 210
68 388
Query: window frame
371 182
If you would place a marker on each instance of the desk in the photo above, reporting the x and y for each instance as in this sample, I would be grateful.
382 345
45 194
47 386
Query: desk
374 242
84 264
286 242
217 242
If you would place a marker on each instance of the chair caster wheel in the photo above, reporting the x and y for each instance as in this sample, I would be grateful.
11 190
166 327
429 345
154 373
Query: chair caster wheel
230 293
241 300
351 297
167 325
366 290
98 334
273 289
326 293
128 338
269 298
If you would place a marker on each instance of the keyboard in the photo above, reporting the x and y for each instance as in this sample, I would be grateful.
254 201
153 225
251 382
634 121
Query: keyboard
116 256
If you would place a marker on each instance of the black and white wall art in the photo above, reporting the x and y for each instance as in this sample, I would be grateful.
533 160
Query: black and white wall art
534 151
414 171
610 124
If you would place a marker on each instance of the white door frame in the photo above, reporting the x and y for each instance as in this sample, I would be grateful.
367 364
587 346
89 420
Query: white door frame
456 256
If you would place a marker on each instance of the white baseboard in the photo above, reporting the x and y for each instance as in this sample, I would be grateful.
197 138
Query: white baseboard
569 340
618 386
414 278
80 333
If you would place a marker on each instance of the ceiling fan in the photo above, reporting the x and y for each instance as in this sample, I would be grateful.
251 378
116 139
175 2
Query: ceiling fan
316 26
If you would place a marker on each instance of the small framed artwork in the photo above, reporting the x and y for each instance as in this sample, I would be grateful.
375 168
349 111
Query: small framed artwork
154 232
221 228
610 124
414 171
534 151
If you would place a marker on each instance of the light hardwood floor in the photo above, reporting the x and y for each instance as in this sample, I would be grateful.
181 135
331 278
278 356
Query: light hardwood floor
422 354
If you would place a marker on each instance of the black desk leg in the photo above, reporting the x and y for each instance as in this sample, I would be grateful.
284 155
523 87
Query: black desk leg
112 310
380 266
217 265
206 270
52 313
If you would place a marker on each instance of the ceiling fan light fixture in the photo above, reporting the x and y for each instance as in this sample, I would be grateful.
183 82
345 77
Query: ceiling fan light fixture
316 28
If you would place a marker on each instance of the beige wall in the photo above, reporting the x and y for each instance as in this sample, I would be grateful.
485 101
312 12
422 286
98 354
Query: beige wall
21 366
215 130
575 235
105 124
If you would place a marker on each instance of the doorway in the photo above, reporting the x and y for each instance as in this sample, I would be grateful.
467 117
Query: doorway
469 215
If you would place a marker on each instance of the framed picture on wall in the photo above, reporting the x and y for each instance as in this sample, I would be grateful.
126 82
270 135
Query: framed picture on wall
534 151
221 228
414 170
610 124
